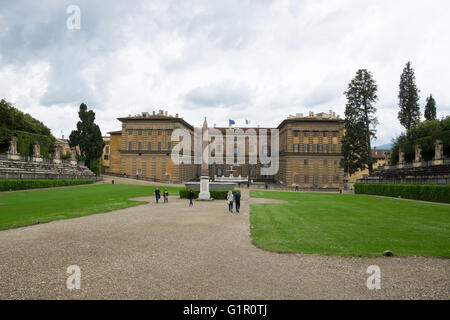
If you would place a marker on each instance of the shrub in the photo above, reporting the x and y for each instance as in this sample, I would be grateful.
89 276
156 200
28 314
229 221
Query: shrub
22 184
215 194
435 193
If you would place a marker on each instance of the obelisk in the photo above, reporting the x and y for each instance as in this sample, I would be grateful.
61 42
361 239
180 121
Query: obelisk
204 172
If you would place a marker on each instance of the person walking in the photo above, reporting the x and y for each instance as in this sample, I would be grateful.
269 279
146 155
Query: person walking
166 196
157 195
230 201
191 197
237 200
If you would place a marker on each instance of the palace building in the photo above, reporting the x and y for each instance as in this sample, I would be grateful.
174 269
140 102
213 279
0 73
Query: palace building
309 151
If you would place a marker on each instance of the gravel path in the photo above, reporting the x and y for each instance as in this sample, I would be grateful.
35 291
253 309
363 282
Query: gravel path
172 251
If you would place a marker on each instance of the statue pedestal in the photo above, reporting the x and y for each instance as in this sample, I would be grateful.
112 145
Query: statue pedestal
12 156
36 159
438 162
57 161
73 162
417 164
204 189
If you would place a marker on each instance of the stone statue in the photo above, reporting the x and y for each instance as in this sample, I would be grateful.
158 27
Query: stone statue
387 158
57 154
438 150
13 145
36 149
418 157
12 153
401 156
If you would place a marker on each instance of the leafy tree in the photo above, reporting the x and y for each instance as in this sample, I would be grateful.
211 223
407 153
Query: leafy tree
409 114
424 134
430 108
88 138
360 122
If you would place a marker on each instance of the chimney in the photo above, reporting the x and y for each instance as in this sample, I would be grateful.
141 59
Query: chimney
176 115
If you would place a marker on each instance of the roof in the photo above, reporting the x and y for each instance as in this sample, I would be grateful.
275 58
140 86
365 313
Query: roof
307 119
156 117
115 132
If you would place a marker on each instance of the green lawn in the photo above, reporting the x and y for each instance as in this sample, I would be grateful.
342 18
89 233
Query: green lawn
26 207
346 224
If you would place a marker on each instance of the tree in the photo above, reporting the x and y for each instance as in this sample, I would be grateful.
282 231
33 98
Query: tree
409 114
430 108
88 138
360 122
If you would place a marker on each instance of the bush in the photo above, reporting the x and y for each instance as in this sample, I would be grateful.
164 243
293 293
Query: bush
215 194
435 193
22 184
26 140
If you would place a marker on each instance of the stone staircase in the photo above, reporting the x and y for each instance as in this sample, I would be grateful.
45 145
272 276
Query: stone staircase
21 169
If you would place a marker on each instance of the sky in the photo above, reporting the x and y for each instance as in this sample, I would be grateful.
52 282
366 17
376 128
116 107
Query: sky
259 60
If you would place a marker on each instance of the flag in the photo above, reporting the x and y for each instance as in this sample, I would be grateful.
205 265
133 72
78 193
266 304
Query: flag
247 121
231 122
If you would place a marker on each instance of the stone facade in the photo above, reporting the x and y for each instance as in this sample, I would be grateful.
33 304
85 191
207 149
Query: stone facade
310 151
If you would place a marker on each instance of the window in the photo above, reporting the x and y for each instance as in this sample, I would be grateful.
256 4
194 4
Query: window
306 179
324 179
139 145
159 146
139 171
325 162
336 179
149 146
250 172
169 145
333 147
106 157
169 132
334 133
315 134
159 132
140 132
325 148
219 172
150 132
324 133
130 145
130 132
296 147
107 149
306 133
305 162
316 147
236 150
306 147
295 133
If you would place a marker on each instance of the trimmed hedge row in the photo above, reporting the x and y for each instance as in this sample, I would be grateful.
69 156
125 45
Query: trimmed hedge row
22 184
435 193
215 194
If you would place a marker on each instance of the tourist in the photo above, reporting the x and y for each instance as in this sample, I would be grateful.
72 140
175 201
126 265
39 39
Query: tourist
191 197
296 188
157 194
230 201
237 200
166 196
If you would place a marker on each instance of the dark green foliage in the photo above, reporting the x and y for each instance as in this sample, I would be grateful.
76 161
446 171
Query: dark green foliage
26 140
430 108
424 134
18 184
408 95
215 194
360 122
14 121
435 193
89 139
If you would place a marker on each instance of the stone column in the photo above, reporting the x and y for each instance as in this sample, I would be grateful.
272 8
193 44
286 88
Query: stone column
12 153
204 178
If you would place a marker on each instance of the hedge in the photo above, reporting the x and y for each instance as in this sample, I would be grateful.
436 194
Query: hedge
215 194
22 184
435 193
26 140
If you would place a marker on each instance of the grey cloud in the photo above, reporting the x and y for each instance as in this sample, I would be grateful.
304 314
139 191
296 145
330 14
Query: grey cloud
223 94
